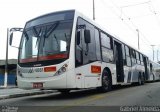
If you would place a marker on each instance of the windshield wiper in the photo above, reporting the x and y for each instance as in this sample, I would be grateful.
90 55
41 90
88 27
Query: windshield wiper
65 35
49 31
37 34
56 41
67 40
26 35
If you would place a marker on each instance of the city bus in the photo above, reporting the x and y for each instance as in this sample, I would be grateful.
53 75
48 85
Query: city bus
65 51
154 71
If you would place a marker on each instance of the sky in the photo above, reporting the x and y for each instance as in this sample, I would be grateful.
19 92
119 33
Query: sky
121 18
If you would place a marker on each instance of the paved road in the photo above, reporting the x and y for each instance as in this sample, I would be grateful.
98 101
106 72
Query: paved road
146 95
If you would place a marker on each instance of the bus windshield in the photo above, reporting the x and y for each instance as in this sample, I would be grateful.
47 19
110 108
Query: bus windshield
49 41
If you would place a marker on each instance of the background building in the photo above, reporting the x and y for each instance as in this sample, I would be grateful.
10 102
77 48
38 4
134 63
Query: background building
12 65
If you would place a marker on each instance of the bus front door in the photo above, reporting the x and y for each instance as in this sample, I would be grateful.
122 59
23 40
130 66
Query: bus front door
146 68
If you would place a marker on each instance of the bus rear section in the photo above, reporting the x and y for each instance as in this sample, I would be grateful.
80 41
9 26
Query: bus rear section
154 71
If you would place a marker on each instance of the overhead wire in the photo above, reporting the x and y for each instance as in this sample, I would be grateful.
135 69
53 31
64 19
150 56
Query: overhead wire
154 12
119 17
131 19
132 29
144 39
131 5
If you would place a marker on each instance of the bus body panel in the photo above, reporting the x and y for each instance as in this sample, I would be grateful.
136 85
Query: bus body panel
127 74
136 71
85 78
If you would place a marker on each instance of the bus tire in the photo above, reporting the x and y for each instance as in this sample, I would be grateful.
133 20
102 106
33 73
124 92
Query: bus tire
153 78
64 91
139 79
106 82
143 79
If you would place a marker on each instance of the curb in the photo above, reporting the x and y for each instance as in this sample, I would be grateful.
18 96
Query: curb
8 87
25 94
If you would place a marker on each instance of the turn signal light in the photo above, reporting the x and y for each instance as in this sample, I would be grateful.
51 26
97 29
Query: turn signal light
50 69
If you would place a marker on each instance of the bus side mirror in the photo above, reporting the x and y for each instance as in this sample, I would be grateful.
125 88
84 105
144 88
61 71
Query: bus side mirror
87 36
14 33
10 39
78 37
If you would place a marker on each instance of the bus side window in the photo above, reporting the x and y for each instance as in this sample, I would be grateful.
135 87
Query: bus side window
133 56
78 52
128 56
89 50
98 51
141 58
107 51
137 57
85 52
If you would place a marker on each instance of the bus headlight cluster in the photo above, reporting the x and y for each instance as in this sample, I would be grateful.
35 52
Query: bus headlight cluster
19 73
61 70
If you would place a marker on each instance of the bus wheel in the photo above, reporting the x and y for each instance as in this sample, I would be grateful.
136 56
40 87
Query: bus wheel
64 91
139 80
153 78
143 79
106 82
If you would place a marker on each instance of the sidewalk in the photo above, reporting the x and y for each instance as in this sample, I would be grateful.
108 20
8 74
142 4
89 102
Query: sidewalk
13 92
8 87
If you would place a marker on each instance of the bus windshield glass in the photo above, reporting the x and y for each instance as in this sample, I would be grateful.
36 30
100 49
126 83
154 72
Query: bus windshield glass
48 41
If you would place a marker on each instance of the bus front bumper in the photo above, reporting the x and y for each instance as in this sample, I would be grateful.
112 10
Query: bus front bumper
56 82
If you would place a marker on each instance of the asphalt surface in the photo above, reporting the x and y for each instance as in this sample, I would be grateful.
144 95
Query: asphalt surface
7 93
90 100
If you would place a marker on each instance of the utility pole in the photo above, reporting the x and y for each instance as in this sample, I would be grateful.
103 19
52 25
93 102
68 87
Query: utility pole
157 56
6 63
93 10
153 51
138 38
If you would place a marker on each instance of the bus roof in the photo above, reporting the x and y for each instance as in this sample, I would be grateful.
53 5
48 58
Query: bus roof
48 14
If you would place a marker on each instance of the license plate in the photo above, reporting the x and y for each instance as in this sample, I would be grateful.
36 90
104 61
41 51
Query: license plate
37 85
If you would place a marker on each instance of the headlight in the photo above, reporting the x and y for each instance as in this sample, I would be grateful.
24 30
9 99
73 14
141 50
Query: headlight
61 70
19 73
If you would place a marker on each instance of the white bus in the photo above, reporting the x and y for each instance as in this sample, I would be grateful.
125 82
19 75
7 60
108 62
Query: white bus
154 71
65 50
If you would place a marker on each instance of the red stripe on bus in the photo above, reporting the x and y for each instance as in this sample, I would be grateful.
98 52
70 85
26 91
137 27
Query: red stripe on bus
28 60
41 58
57 56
